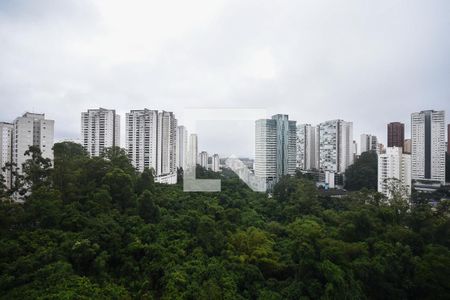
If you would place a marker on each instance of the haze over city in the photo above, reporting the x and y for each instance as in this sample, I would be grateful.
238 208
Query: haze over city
369 63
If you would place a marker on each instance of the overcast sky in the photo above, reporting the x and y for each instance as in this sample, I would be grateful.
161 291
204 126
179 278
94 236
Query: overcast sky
370 62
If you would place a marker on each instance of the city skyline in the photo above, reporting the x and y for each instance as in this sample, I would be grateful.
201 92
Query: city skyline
155 141
224 149
210 147
367 63
244 134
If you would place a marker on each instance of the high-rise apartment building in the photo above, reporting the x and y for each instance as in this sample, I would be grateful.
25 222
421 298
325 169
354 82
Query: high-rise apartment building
100 129
355 150
203 159
395 134
6 141
192 151
407 145
428 145
335 145
394 171
151 141
448 138
307 147
167 134
32 129
215 163
182 146
141 131
368 143
275 151
380 148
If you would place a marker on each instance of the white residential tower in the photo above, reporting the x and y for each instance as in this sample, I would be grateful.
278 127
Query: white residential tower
151 142
394 171
335 145
307 147
428 146
275 151
6 141
100 129
32 130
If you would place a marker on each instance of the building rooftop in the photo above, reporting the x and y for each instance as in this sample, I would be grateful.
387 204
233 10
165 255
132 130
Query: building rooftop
33 115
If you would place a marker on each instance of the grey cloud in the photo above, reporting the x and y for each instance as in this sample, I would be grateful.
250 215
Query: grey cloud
366 62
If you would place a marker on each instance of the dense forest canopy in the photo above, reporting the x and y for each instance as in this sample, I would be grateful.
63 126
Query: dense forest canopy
363 173
94 228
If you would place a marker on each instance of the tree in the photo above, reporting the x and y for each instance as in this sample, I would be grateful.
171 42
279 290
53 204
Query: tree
432 273
255 246
398 200
17 188
147 208
91 174
66 151
44 207
297 197
209 237
3 187
363 173
120 187
119 159
68 159
92 229
83 254
99 201
145 181
37 169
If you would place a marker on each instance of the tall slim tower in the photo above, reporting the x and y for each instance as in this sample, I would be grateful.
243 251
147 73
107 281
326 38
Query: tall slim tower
151 141
182 146
193 151
141 138
32 130
167 133
368 143
395 134
394 168
448 138
275 152
428 145
203 159
355 150
307 147
6 141
100 129
407 145
215 163
335 145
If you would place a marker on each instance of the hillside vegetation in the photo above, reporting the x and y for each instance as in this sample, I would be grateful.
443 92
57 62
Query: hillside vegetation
92 228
